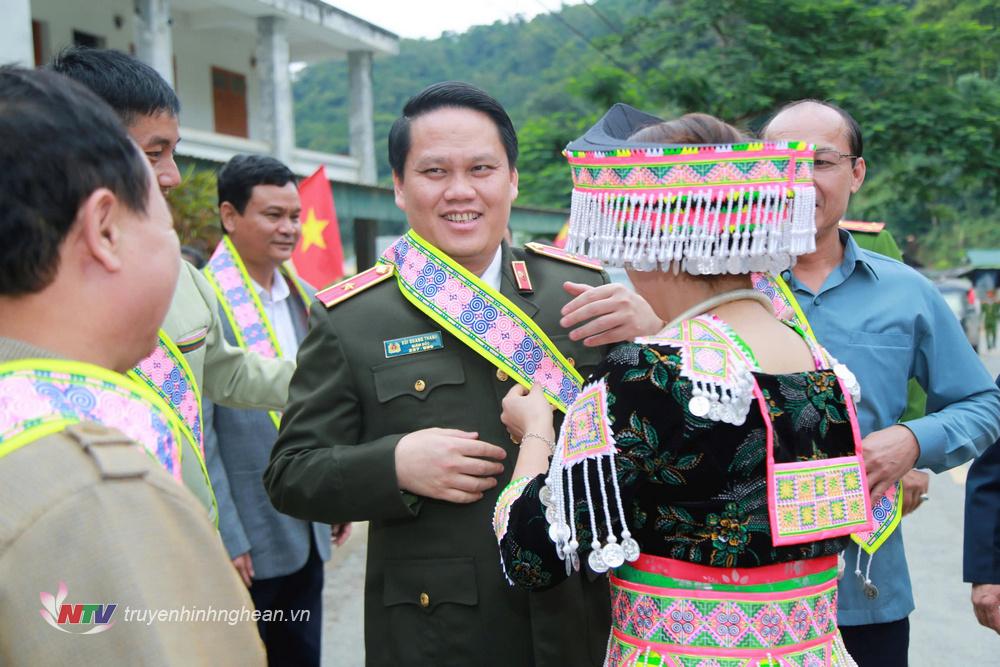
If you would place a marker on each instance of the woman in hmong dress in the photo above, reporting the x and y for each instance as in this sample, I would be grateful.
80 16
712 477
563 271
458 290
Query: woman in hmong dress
671 469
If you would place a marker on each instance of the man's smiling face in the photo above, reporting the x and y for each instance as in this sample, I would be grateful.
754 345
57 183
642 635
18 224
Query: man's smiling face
457 185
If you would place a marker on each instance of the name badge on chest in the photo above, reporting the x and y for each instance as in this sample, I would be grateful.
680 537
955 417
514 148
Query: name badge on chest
424 342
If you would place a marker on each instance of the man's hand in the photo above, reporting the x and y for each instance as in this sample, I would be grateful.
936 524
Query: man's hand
889 454
915 484
339 532
613 313
244 566
447 464
986 604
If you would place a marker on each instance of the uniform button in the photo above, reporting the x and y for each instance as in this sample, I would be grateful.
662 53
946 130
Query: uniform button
425 600
571 361
419 385
817 301
503 377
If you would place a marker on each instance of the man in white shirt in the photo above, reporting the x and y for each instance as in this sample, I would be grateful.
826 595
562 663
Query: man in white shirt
265 308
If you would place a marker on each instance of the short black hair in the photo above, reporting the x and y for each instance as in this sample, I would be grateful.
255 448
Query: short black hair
58 144
448 94
130 86
242 173
854 137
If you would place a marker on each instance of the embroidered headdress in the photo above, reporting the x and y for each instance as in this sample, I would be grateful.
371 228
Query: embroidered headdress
703 209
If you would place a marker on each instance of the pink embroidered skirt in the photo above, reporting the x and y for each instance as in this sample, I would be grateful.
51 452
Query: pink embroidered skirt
672 613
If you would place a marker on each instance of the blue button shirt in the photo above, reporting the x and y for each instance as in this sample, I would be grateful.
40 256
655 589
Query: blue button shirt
888 323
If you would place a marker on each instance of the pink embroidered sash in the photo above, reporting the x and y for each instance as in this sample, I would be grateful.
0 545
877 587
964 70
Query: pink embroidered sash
482 318
51 394
241 304
167 372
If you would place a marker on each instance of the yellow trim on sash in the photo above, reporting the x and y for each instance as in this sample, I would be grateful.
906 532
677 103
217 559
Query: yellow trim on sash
492 295
248 285
125 382
178 356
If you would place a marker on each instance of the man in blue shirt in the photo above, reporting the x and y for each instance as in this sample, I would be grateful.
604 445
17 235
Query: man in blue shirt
887 323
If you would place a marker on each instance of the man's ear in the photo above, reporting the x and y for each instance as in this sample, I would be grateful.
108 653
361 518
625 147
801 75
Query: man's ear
100 228
858 174
513 184
397 187
228 214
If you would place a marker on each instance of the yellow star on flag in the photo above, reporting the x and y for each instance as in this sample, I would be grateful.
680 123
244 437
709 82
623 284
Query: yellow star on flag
312 231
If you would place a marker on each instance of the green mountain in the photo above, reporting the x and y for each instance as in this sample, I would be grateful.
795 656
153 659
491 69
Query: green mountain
920 76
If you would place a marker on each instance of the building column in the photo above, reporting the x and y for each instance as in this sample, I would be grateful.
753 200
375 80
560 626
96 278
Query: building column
154 44
277 121
361 121
16 44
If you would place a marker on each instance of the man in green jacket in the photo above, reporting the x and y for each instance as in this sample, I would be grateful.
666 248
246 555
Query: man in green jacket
149 109
394 418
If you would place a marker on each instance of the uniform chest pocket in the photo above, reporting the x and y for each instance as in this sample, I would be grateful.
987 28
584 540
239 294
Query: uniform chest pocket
417 376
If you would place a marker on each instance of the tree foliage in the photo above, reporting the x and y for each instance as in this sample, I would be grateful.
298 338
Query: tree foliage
920 76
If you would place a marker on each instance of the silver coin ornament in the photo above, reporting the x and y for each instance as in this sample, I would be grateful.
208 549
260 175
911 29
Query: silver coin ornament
575 559
631 549
559 533
551 515
613 555
870 590
545 495
699 406
596 562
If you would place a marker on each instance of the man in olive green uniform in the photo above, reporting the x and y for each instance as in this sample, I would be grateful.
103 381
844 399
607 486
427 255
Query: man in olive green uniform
394 420
87 269
991 313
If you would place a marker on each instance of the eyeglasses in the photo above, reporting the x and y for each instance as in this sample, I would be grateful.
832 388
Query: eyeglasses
828 159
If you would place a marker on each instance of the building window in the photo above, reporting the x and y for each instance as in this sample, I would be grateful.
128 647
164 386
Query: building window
81 38
229 99
40 40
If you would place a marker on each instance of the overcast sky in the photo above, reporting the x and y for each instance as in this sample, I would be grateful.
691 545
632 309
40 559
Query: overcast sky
429 18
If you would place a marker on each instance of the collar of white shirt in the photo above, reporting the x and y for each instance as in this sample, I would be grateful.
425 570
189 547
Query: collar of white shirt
491 276
279 289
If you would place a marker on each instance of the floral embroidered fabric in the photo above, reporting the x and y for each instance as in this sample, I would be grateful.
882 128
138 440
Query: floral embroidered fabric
693 489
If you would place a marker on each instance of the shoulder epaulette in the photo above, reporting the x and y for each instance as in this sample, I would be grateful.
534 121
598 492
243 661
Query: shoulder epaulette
859 226
345 289
564 256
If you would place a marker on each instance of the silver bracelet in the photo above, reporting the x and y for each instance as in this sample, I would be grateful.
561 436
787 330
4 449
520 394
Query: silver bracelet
548 443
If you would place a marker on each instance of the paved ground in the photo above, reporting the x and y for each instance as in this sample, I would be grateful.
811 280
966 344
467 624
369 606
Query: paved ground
944 631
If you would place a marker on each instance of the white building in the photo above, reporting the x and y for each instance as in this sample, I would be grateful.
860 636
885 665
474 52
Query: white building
228 60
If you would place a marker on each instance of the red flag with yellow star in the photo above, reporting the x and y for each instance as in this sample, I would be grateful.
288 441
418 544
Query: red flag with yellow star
319 257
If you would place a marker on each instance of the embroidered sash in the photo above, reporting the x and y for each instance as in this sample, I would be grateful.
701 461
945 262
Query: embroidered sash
242 306
669 612
783 302
482 318
167 372
887 510
43 396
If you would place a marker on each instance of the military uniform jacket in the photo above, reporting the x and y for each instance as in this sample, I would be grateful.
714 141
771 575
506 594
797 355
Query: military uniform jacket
435 594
